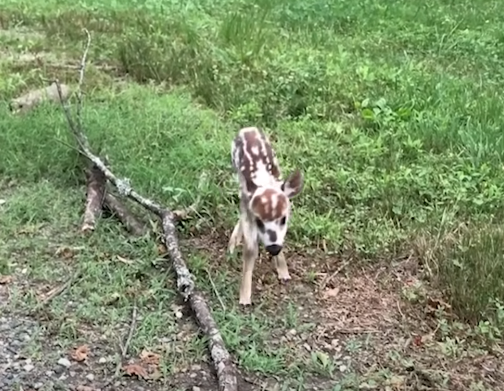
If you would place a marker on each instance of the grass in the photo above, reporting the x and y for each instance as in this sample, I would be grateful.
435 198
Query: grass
392 111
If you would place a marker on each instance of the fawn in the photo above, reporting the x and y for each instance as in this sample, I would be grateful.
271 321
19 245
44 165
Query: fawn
264 204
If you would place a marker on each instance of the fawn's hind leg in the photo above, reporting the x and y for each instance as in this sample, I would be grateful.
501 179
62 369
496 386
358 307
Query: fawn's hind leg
236 237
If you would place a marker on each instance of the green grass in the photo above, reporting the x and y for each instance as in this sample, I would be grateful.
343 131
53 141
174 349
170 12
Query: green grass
391 109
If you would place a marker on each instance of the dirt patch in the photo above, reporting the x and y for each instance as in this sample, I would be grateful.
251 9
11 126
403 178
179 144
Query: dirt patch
383 322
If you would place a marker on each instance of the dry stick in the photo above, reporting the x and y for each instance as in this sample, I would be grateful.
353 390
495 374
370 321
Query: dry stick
326 280
58 291
125 347
95 195
222 359
215 290
131 222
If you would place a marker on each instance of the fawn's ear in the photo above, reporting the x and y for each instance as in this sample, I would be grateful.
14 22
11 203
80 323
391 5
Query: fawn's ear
293 185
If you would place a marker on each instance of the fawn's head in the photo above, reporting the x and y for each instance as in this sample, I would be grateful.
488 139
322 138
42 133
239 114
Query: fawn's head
270 206
268 196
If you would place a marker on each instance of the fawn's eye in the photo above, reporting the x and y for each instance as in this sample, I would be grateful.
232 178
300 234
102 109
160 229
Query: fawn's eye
283 220
260 224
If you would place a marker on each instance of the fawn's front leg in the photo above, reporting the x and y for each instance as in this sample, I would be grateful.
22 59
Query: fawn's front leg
250 253
281 267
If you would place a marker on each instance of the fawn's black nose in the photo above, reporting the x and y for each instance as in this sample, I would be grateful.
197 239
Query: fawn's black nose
274 249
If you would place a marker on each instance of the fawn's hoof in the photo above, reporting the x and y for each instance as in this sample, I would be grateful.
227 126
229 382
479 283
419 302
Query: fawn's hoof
245 302
284 277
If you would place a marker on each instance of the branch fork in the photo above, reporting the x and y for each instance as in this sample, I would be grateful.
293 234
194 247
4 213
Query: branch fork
223 364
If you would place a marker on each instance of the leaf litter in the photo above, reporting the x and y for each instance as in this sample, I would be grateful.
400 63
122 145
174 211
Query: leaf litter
81 353
147 367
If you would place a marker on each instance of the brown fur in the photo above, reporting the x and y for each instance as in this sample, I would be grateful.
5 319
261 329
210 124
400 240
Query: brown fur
267 209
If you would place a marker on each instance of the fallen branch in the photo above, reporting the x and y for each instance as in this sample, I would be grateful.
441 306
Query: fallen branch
117 208
222 359
95 195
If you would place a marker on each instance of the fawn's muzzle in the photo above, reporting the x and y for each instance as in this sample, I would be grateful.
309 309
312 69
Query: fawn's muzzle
274 249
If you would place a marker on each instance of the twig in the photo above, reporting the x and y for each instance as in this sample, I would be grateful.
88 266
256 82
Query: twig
58 290
328 279
132 224
215 290
81 76
124 350
226 374
336 328
125 347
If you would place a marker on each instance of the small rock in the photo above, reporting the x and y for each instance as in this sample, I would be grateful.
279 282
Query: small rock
178 315
38 386
102 360
292 332
86 388
58 370
343 368
28 367
72 373
196 388
49 373
196 367
64 362
90 377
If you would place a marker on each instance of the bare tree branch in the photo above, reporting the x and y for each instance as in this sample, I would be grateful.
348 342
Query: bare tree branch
95 195
82 70
226 373
132 224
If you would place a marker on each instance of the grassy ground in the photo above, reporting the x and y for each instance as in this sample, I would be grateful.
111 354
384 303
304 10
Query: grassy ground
391 110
